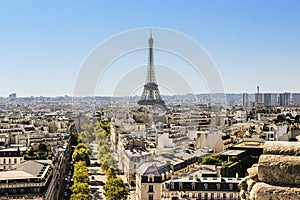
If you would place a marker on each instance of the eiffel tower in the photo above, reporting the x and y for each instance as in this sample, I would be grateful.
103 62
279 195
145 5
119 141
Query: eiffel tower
151 95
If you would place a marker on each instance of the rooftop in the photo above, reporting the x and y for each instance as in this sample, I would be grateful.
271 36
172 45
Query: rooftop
25 170
250 144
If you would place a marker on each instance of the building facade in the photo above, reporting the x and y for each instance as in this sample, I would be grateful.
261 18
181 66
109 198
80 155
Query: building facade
10 157
209 188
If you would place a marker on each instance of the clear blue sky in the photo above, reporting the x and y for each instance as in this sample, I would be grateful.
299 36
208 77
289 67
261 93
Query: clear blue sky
43 43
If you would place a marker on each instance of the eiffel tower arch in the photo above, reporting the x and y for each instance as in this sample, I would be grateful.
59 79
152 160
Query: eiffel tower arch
151 95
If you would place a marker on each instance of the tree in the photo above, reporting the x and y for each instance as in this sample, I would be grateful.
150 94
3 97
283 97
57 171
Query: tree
103 150
31 152
213 159
42 147
80 146
81 172
107 162
81 153
88 128
79 187
111 173
115 189
80 196
101 125
101 137
86 137
263 136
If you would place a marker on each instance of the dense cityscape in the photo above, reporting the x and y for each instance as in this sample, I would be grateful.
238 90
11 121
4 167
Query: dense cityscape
187 147
93 106
190 152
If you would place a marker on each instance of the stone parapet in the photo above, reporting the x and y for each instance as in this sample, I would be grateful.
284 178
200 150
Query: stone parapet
276 176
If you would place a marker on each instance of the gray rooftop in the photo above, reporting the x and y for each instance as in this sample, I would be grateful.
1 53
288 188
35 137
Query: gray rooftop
155 168
25 170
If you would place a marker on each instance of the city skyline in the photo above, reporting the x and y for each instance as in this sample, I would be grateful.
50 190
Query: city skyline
43 44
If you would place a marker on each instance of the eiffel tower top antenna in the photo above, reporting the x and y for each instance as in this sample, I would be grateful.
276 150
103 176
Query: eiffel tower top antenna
150 70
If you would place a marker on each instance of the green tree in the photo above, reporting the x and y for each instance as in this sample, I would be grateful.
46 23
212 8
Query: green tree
42 147
86 137
233 159
80 196
31 152
80 146
213 159
79 187
111 173
103 150
107 162
81 153
115 189
81 172
100 137
88 128
101 125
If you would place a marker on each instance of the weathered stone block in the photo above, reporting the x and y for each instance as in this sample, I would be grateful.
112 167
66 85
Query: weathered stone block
282 148
252 171
263 191
279 170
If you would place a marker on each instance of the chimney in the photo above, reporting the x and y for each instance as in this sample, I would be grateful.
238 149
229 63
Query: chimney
219 171
195 177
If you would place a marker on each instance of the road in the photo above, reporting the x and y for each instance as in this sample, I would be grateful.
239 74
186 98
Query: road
98 178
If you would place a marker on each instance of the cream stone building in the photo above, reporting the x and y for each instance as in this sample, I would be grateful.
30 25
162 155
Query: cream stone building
9 157
150 180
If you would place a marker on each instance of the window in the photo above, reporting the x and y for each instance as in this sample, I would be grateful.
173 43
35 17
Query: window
224 195
180 186
150 197
218 186
150 178
4 161
15 161
9 161
150 189
172 185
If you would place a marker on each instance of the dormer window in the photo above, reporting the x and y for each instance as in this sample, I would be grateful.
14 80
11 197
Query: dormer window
180 185
150 178
172 185
206 186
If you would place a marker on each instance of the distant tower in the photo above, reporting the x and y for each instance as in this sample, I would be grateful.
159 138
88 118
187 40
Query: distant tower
245 100
259 97
151 94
